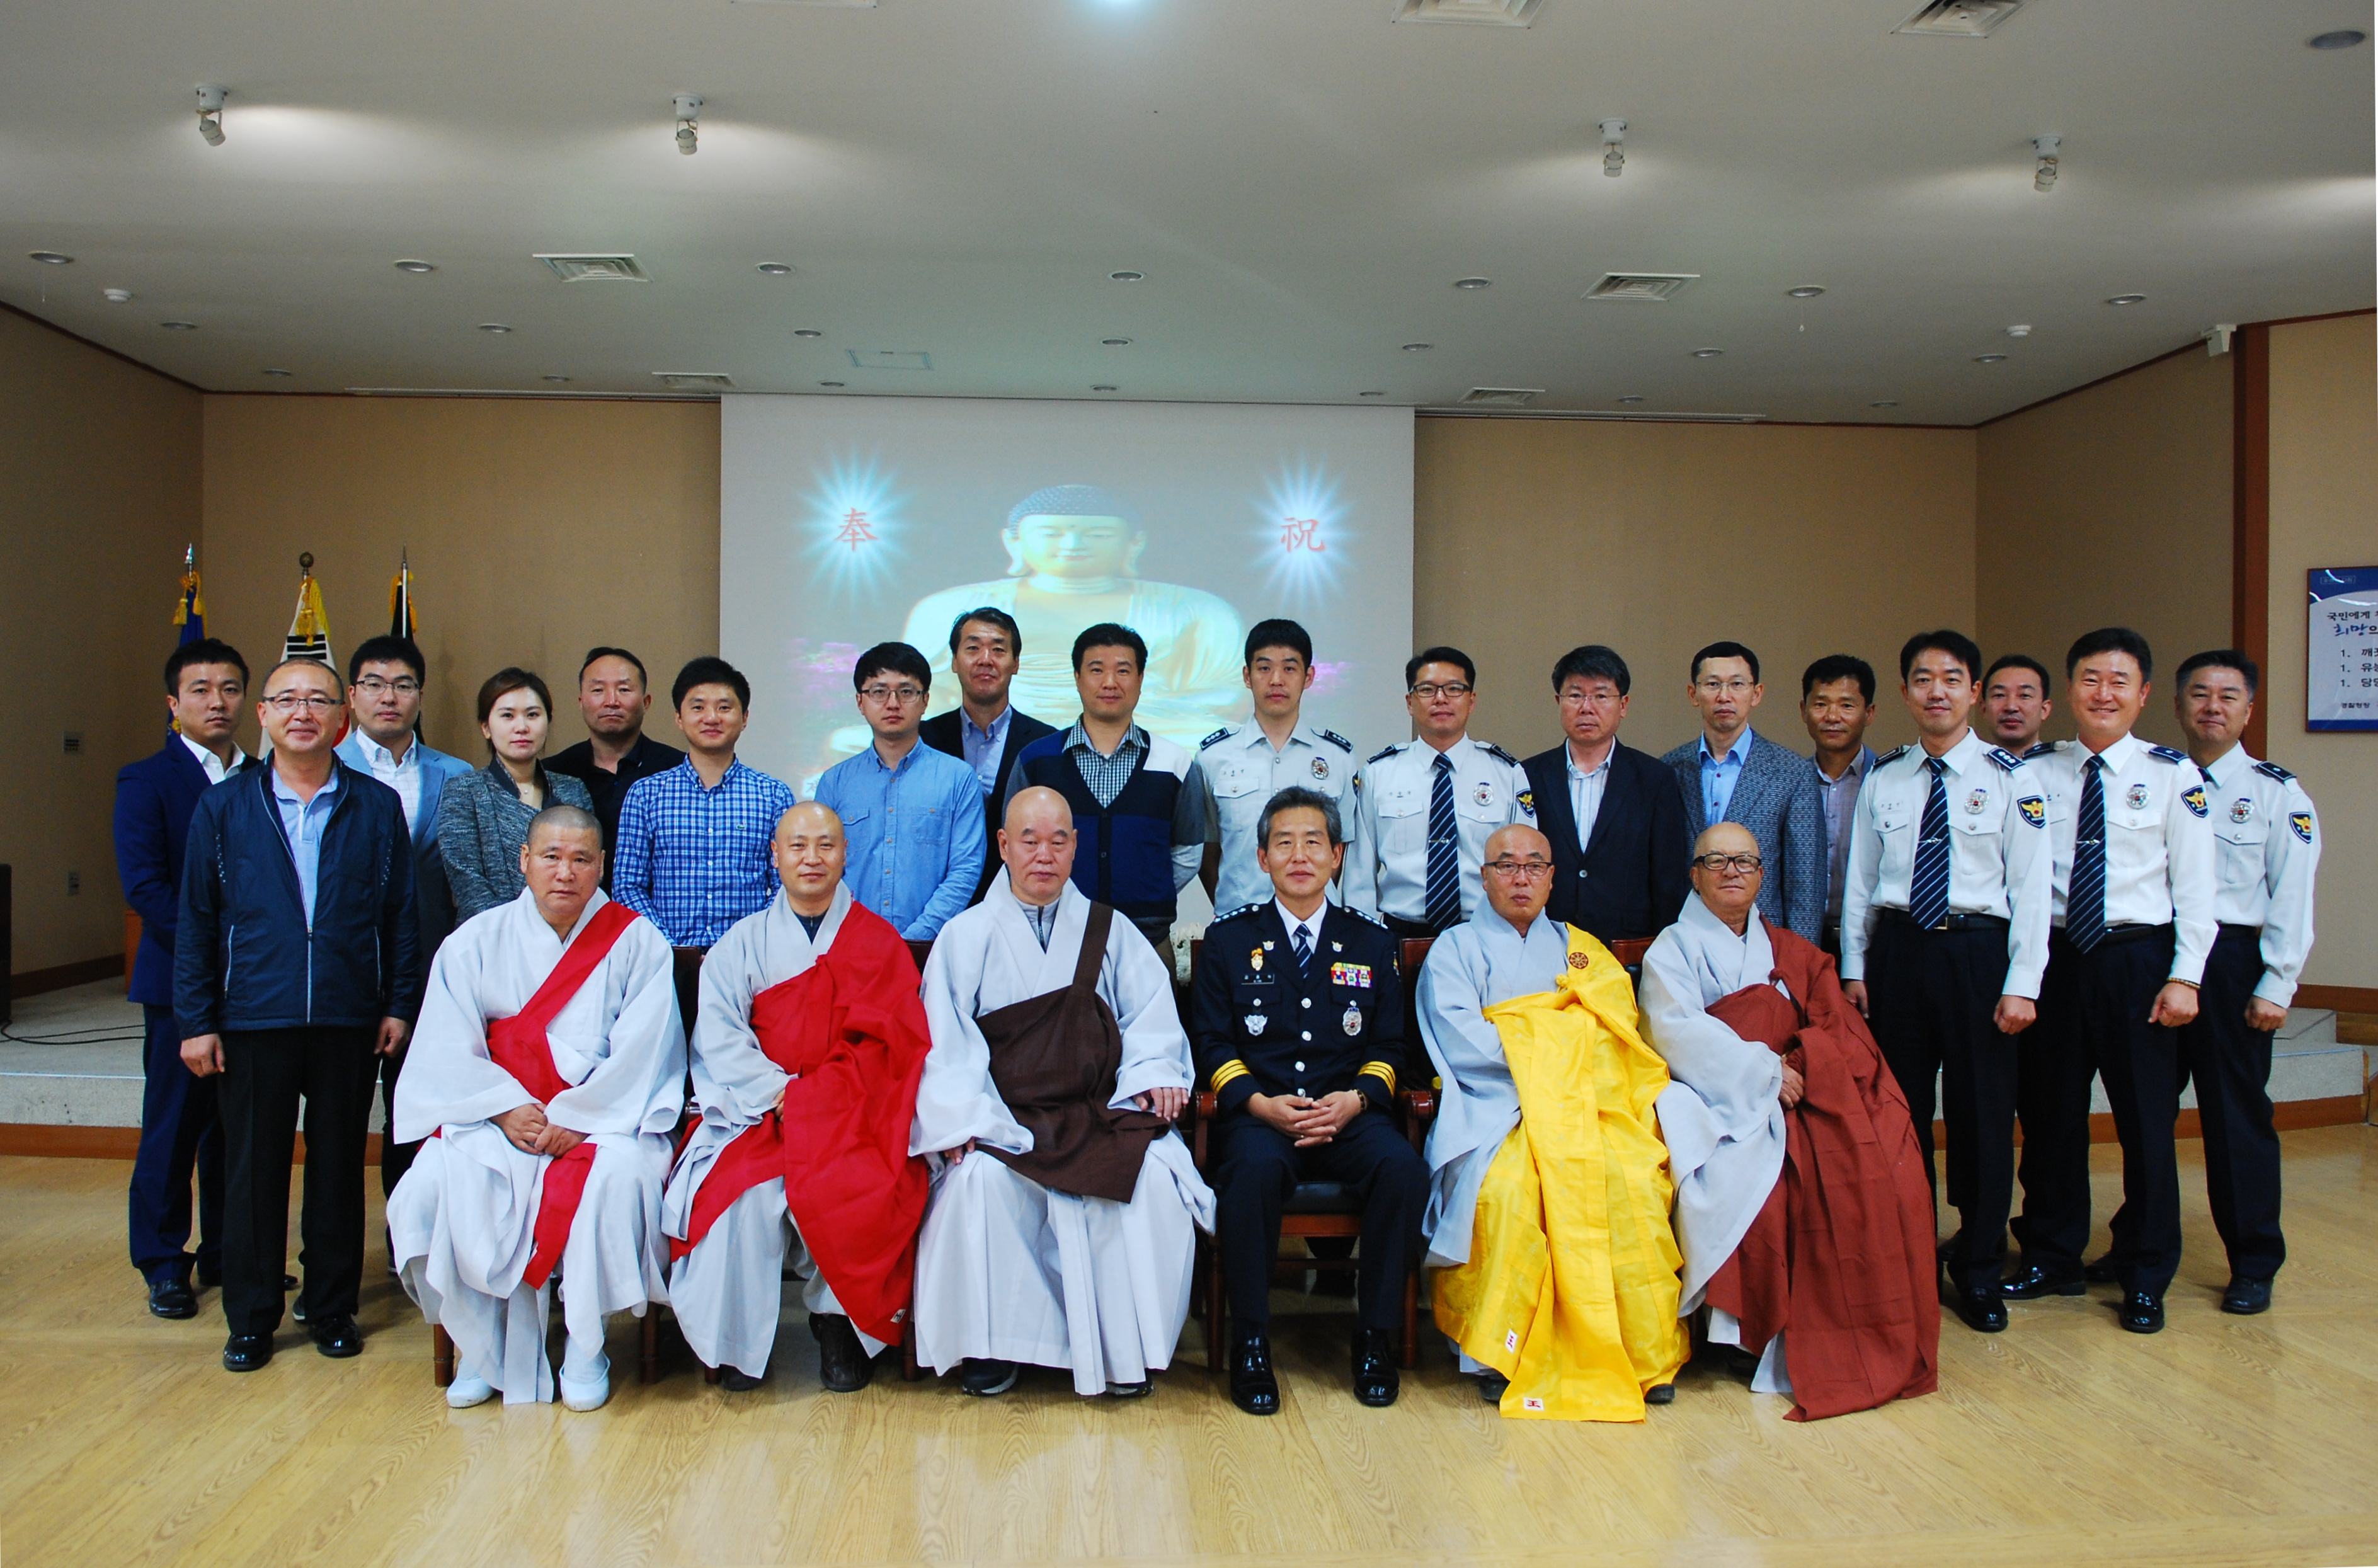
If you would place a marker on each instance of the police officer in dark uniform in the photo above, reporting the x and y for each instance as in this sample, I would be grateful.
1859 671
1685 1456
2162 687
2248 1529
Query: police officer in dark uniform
1298 1023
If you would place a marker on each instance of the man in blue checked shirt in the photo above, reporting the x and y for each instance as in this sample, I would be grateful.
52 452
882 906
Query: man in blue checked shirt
911 816
693 850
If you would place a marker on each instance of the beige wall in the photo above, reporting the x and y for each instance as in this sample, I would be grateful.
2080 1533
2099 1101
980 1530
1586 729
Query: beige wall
535 529
99 493
1533 535
2110 507
2324 512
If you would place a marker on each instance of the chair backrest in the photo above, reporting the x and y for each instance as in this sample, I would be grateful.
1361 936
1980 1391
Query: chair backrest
920 951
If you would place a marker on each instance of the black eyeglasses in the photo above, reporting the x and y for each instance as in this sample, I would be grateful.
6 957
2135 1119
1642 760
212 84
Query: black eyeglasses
1732 862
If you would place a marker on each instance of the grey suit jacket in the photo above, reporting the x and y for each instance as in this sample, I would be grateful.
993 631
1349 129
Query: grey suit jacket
1777 799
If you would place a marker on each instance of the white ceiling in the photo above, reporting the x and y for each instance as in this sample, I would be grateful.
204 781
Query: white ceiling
1299 180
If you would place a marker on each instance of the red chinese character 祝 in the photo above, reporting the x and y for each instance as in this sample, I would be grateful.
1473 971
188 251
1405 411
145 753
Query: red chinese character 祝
1297 533
853 531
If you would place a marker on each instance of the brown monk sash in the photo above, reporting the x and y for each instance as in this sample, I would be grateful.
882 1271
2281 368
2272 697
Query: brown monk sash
1055 1058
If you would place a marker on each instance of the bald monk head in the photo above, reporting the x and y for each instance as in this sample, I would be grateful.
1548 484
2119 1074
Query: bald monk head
1727 873
1036 844
562 860
1519 866
808 849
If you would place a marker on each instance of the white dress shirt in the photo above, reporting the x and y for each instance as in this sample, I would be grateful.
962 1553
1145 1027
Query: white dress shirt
1386 846
1311 926
2159 844
1585 791
1242 771
216 769
400 774
1998 859
2268 847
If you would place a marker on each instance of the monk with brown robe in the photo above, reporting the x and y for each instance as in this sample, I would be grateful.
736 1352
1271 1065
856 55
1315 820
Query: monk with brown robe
1064 1212
1802 1209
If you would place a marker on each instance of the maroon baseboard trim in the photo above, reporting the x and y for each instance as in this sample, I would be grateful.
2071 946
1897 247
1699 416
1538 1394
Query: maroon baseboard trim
42 1141
33 982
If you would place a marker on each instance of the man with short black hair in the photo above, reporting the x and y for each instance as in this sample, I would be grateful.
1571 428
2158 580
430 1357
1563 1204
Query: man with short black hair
155 796
614 695
1426 807
1245 765
1733 774
2267 838
986 731
2135 912
2014 702
1138 798
911 816
1836 706
1613 814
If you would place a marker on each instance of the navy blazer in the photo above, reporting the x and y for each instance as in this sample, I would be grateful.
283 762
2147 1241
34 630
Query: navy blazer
1631 879
154 798
943 733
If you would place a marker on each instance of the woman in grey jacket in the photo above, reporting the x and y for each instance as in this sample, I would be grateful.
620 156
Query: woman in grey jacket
483 818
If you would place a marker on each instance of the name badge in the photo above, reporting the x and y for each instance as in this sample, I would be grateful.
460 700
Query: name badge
1357 976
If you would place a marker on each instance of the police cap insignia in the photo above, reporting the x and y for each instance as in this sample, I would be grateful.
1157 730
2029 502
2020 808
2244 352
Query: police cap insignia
2301 822
2034 809
2194 801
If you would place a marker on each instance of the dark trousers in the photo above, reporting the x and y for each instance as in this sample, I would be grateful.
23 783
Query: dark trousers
265 1074
1933 996
2092 1022
179 1137
1258 1167
395 1158
2231 1065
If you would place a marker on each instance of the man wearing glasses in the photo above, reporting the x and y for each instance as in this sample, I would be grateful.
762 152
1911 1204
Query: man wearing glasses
1426 808
911 815
384 681
1733 774
296 961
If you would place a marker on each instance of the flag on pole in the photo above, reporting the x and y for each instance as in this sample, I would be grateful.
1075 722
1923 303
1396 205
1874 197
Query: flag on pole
400 599
309 629
190 608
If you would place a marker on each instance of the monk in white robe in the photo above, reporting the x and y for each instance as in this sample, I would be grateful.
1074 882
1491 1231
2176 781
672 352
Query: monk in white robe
806 1049
1062 1229
547 1073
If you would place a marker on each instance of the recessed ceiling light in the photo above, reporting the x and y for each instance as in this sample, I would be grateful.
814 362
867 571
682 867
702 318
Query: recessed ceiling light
1989 359
554 377
1630 399
51 258
495 327
179 326
1114 342
271 371
830 383
1473 283
806 333
1806 291
1127 277
2345 38
1707 352
2128 299
775 269
1418 347
117 296
417 266
2019 331
1886 403
1104 386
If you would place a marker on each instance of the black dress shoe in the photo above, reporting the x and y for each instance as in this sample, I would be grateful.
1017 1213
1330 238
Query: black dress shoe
2142 1312
2245 1297
2033 1281
2106 1269
842 1365
247 1351
1254 1387
337 1336
1659 1394
1376 1381
1490 1384
1983 1308
288 1284
171 1297
983 1378
734 1379
1740 1362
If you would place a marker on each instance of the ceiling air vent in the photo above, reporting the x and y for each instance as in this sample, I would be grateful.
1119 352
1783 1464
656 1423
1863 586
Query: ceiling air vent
1468 13
889 360
1501 397
1652 286
595 268
695 381
1959 19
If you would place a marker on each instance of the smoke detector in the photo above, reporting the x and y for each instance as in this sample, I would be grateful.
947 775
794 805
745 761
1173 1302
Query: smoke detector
1502 397
572 268
1654 287
1959 19
1470 13
695 381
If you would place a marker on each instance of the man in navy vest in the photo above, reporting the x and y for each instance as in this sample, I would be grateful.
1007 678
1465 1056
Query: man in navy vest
1138 800
155 796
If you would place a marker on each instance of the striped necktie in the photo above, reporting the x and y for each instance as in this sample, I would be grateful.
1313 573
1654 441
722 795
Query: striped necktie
1927 890
1304 949
2084 903
1443 898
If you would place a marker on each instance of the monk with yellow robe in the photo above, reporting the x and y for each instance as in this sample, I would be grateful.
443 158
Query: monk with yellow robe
1548 1205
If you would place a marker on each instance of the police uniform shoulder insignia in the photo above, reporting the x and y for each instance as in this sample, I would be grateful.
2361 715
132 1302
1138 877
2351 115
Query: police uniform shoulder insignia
2006 759
2045 749
1335 739
1221 734
2274 772
1243 909
2164 753
1362 915
1892 755
1497 752
1382 754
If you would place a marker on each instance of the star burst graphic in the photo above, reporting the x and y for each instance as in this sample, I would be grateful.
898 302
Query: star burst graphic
851 522
1299 536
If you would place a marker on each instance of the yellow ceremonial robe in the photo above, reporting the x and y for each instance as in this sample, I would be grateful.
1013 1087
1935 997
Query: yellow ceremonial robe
1571 1286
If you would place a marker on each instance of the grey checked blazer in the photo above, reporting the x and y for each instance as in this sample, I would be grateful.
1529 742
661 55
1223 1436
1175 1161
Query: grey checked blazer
1777 799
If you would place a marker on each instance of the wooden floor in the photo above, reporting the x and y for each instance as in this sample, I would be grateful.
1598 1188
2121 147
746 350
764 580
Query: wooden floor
2223 1441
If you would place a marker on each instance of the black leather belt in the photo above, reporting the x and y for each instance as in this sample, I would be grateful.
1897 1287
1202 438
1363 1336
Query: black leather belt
2242 933
1950 922
2118 933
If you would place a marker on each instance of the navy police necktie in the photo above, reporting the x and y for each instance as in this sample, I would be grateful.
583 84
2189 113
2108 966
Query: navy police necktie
1927 890
1442 901
2084 904
1304 949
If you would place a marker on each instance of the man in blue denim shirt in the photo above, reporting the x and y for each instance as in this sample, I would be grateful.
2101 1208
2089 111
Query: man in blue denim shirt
911 816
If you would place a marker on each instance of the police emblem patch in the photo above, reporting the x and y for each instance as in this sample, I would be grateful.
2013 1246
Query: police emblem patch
1320 767
1483 794
2194 801
1528 802
1255 1022
1976 802
2241 808
2136 797
2034 809
2301 822
1354 1020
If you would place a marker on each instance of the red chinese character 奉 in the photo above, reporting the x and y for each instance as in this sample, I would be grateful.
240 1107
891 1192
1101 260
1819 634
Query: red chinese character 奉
853 531
1297 533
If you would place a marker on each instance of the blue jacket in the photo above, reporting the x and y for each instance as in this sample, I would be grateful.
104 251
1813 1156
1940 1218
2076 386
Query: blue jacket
244 957
154 798
433 894
1777 799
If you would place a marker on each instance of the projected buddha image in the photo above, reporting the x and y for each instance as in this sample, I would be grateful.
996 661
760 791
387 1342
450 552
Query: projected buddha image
1073 552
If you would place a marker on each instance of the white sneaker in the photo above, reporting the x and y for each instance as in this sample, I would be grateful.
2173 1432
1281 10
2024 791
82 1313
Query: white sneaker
464 1393
588 1394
